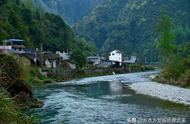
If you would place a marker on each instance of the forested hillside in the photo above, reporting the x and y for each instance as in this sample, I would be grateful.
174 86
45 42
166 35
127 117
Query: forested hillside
130 25
21 19
72 11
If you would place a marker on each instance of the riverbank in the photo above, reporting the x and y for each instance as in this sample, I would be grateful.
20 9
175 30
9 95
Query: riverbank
163 91
182 81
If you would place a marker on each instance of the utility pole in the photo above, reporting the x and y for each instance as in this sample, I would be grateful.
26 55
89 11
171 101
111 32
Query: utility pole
41 52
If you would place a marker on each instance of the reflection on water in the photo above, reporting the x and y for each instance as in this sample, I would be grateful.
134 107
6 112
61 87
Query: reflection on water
101 102
115 88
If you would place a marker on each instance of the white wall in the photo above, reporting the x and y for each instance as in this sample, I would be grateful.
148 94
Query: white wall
54 64
115 56
63 55
47 63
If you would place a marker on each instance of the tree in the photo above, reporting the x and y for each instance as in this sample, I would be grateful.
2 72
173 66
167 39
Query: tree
79 57
26 15
165 45
80 49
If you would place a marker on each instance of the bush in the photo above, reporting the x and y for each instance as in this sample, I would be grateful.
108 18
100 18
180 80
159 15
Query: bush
185 79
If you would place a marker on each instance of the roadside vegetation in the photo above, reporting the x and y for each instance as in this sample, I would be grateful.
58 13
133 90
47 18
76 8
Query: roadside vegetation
175 59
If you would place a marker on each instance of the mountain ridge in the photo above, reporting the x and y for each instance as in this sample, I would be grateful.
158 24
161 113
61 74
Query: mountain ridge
130 25
71 11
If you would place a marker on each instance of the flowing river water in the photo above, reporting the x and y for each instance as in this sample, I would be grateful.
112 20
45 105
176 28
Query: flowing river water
106 99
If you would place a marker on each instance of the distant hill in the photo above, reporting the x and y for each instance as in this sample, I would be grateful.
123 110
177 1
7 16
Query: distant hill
72 11
130 25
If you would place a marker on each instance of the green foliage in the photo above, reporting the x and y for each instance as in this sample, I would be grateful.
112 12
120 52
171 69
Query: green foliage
20 19
27 23
129 25
165 44
176 60
80 50
79 57
9 112
174 68
71 10
184 50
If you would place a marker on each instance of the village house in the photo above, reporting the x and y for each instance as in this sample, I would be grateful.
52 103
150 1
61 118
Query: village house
65 61
99 61
130 60
44 60
105 63
93 60
17 45
116 58
33 57
49 59
63 55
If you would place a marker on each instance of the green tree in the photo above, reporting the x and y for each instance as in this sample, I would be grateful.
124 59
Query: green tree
165 45
26 15
79 57
80 49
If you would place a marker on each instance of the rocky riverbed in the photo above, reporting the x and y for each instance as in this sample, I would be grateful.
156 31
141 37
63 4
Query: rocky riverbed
163 91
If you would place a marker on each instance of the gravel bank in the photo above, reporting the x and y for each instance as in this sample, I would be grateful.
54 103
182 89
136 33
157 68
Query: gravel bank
163 91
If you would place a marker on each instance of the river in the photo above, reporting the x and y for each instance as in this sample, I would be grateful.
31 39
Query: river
106 99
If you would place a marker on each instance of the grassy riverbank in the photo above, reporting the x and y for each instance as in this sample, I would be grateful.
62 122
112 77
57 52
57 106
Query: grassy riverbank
16 82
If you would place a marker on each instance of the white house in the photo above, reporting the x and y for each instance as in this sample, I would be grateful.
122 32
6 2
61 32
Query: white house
50 63
64 55
116 57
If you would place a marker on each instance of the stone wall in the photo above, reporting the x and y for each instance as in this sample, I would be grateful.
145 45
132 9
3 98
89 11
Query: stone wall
68 74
